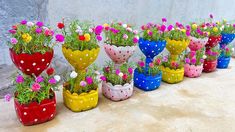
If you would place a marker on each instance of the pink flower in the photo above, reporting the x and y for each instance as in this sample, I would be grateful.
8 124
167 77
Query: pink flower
125 36
151 65
39 24
130 70
59 38
135 40
150 33
188 27
23 22
227 49
192 54
14 41
38 30
163 28
107 69
193 61
125 76
187 60
170 27
12 31
165 59
39 79
7 97
164 20
98 37
36 87
158 61
103 78
211 16
141 63
98 29
83 83
52 81
117 71
49 32
201 60
19 79
143 27
89 80
135 32
188 33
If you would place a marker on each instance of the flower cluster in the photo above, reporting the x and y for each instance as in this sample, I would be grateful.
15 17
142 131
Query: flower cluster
198 30
120 34
30 37
195 57
117 76
152 69
214 28
80 35
167 61
35 89
83 82
227 27
178 32
226 51
212 54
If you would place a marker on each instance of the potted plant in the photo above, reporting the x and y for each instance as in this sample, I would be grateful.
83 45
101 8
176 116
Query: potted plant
85 95
121 41
30 45
34 97
224 57
117 83
210 62
177 42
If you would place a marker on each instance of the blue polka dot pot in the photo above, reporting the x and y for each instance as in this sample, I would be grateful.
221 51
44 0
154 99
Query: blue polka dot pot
227 38
147 83
223 62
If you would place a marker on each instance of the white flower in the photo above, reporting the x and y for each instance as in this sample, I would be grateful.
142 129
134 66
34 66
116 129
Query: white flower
57 78
232 49
129 29
222 27
30 24
97 72
124 25
120 74
90 30
79 31
78 27
204 57
73 74
137 37
45 28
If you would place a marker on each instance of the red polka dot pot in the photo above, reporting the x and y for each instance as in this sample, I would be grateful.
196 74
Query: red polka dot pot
35 113
209 65
32 64
192 71
197 43
119 54
117 92
213 41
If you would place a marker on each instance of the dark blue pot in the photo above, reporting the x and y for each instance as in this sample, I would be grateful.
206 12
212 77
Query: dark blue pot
146 83
223 62
227 38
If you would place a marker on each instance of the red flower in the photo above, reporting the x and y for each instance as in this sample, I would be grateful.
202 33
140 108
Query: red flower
60 25
81 37
125 76
50 71
14 27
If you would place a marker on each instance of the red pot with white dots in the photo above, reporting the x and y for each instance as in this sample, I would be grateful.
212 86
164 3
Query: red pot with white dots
213 41
35 113
32 64
117 92
209 65
119 54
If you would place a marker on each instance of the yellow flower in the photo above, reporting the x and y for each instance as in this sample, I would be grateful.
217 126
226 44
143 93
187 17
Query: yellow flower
218 23
28 39
183 30
106 25
194 26
215 29
148 31
224 20
208 33
25 35
87 37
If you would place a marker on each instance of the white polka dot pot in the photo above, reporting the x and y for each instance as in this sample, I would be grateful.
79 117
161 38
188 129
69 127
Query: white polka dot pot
197 43
80 60
32 64
209 65
81 102
119 54
223 62
172 75
35 113
192 71
117 92
227 38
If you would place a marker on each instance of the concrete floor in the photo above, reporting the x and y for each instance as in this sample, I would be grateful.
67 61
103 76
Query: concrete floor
201 104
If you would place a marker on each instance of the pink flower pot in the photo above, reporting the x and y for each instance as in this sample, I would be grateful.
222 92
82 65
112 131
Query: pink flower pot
117 92
192 70
119 54
197 43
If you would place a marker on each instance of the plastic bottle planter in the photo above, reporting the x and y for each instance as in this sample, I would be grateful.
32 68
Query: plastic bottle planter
213 41
197 43
223 62
172 76
176 47
117 92
227 38
82 102
209 66
119 54
192 70
80 60
34 113
147 83
31 64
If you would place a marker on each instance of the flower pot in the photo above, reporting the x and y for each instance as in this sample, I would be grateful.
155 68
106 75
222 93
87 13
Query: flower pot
147 83
209 66
192 70
213 41
80 60
35 113
81 102
197 43
223 62
171 75
119 54
176 47
227 38
31 64
117 92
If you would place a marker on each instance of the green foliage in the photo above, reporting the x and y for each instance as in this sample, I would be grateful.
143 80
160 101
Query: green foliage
153 68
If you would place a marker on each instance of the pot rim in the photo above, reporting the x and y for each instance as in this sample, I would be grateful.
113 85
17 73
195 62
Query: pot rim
51 50
118 47
75 95
117 86
89 50
167 69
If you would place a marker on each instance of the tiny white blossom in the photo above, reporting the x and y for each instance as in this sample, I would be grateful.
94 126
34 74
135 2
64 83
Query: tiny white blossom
232 49
57 78
129 29
120 74
30 24
97 72
204 57
73 74
90 30
135 32
124 25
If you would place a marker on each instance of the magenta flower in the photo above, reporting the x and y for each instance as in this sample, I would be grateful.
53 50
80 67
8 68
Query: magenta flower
192 54
52 81
7 97
39 24
188 27
59 38
143 27
107 69
187 60
39 79
23 22
158 60
141 63
83 83
188 33
227 49
19 79
98 29
130 70
211 16
208 24
12 31
38 30
165 59
209 52
201 60
214 53
36 87
163 28
170 27
14 41
164 20
135 40
193 61
117 71
103 78
234 25
98 37
89 80
49 32
150 33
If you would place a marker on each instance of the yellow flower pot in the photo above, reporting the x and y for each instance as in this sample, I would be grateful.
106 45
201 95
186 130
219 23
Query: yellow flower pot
172 76
176 47
82 102
80 60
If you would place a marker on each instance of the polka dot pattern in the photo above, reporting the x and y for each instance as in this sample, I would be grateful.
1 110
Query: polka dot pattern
197 43
31 63
176 47
227 38
35 113
209 66
117 92
172 76
213 41
223 62
192 71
